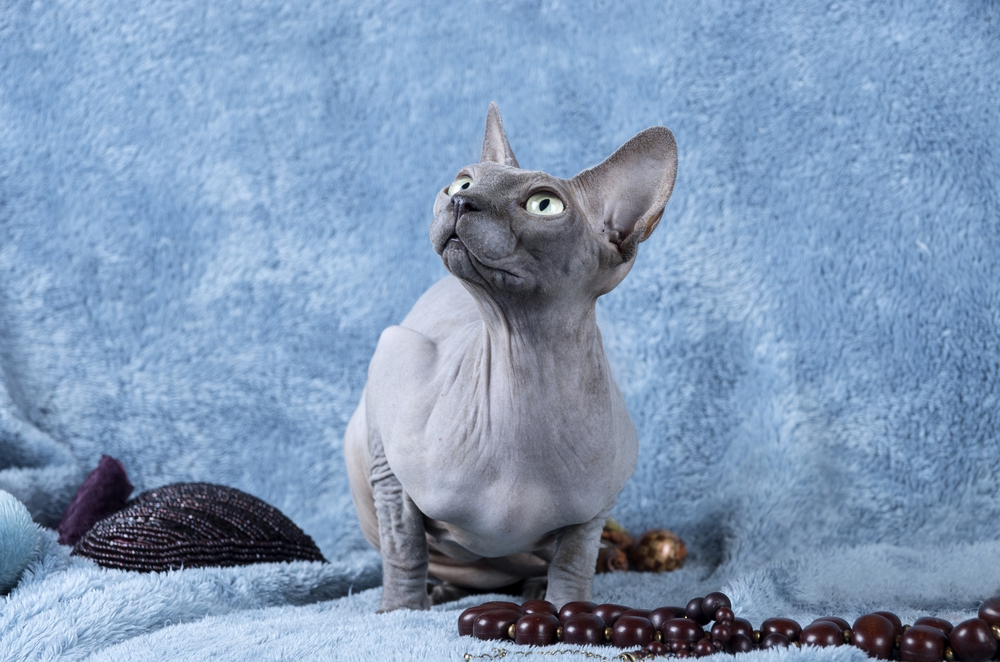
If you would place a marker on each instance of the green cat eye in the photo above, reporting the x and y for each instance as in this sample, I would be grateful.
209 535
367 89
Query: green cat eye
459 184
544 204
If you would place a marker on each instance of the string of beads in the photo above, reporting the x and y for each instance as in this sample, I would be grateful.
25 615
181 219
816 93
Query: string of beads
680 631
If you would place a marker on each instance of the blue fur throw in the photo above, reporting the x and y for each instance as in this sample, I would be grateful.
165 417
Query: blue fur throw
210 211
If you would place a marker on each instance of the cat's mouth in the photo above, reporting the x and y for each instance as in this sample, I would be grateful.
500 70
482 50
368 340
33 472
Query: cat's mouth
484 271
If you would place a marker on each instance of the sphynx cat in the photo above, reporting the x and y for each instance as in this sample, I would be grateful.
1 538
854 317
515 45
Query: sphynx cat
491 440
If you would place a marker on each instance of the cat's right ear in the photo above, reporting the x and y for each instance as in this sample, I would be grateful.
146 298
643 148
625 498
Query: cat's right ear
627 192
495 145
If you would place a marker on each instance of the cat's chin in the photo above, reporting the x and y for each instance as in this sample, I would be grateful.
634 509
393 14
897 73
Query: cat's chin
458 262
455 249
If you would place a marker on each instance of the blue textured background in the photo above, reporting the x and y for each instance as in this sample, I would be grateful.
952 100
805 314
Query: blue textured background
208 213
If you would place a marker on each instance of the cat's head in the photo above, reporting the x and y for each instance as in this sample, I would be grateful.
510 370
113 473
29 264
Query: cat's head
512 233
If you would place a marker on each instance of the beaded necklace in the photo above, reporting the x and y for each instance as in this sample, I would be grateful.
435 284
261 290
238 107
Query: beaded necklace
679 631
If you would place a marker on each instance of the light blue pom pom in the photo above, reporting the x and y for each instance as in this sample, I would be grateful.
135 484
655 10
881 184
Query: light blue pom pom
18 541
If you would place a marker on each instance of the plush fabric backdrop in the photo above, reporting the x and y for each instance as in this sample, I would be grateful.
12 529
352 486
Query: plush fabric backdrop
209 211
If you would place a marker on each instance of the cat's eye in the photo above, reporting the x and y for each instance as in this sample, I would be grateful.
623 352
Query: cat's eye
459 184
544 204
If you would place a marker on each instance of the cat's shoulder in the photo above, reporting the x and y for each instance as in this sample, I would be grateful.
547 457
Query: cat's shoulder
443 309
442 321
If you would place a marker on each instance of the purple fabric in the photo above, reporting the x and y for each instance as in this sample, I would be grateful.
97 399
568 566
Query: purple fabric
103 494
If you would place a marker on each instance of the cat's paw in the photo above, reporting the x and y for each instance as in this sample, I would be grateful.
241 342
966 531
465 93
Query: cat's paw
393 600
445 592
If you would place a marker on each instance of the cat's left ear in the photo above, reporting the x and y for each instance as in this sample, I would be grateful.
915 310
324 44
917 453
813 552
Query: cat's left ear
626 193
495 145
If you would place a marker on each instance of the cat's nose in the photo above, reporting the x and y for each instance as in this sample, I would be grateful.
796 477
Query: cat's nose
462 205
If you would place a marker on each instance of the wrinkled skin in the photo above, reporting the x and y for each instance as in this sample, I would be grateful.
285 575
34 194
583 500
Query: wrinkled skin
491 440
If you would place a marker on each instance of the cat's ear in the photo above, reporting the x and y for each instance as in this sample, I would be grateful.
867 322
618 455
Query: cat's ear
626 193
495 145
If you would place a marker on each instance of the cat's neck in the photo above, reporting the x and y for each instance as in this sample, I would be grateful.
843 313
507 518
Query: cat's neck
548 352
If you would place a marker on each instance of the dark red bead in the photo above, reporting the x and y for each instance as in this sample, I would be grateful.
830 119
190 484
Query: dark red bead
678 645
712 602
703 648
663 614
774 640
694 612
973 641
494 624
721 632
638 612
739 643
683 653
631 631
682 629
609 613
933 622
822 634
584 629
989 611
841 623
539 607
538 629
467 618
742 626
922 643
571 609
502 604
656 648
724 615
786 627
875 635
897 625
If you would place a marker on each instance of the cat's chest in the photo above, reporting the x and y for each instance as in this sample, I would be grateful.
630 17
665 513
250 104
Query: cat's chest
504 450
524 457
495 503
505 473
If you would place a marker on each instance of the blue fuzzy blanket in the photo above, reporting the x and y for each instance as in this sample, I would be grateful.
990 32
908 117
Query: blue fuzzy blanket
209 211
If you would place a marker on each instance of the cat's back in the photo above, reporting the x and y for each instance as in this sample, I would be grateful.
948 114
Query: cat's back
442 309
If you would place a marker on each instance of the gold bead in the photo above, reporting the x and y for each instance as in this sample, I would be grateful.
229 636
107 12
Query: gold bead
847 636
607 634
468 656
658 550
512 630
559 633
657 635
949 654
756 636
628 657
896 643
996 631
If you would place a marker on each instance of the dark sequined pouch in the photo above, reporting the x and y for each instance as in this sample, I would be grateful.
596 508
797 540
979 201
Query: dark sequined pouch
191 525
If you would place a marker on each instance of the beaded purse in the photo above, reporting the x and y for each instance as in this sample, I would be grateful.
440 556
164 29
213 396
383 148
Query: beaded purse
191 525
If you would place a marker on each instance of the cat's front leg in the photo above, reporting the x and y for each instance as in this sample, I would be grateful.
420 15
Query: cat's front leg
571 572
402 540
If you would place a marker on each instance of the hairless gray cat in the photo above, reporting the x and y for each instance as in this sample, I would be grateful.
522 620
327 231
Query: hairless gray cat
491 440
